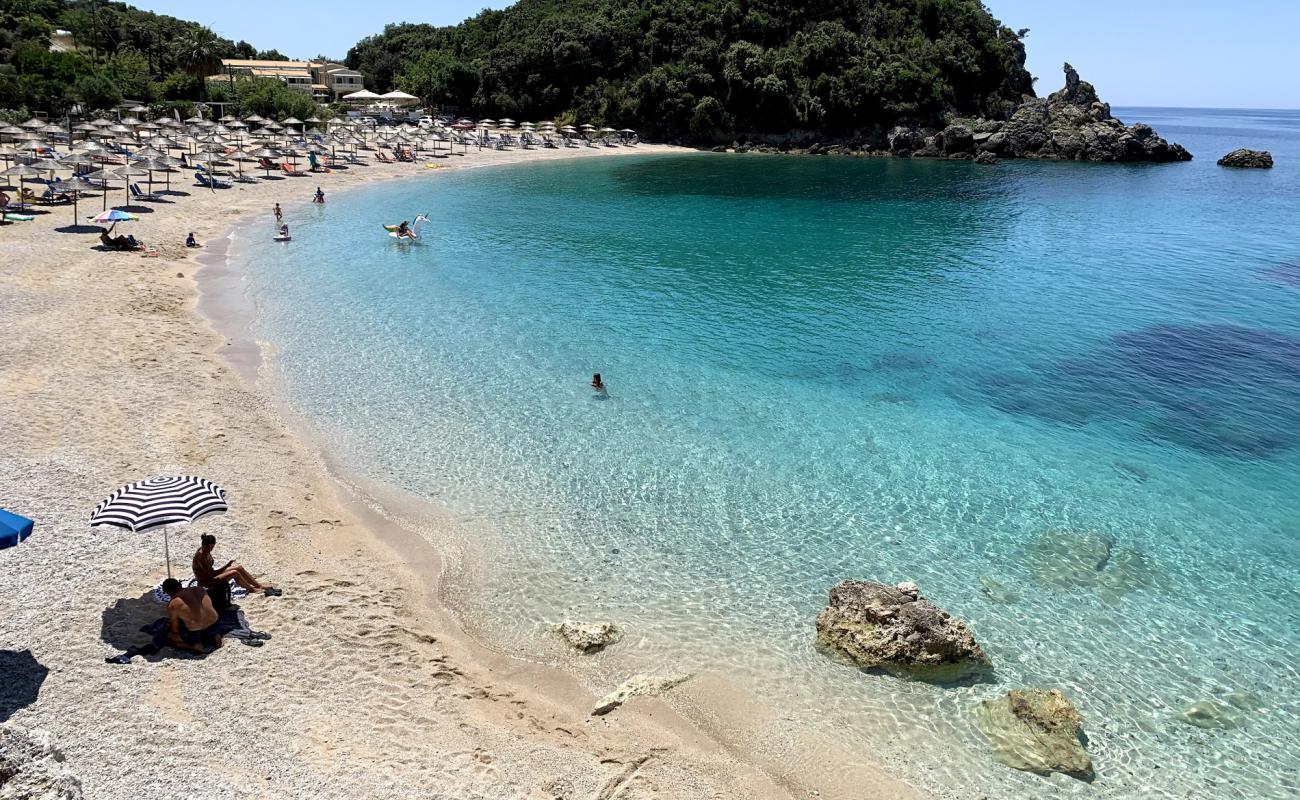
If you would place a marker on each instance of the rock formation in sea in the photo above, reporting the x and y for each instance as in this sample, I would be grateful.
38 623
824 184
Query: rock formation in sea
1253 159
31 766
649 685
895 629
1036 731
588 637
1071 124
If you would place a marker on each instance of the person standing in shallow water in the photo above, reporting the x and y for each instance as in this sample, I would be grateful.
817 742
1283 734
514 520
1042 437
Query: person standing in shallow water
320 196
599 386
279 215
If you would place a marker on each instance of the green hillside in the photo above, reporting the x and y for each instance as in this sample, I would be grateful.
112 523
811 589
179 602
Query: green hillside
709 70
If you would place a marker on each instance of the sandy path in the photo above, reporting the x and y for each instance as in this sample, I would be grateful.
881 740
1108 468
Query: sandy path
107 374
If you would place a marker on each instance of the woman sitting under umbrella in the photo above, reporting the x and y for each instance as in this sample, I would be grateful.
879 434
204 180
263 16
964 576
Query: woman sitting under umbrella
209 576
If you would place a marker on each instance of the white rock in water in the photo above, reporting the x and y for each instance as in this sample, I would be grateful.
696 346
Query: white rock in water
31 766
636 685
588 637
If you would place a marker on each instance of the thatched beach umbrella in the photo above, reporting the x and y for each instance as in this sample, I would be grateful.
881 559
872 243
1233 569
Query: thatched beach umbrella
22 172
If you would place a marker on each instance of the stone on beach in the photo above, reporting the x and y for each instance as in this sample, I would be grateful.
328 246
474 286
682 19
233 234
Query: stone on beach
649 685
895 629
1250 159
588 637
1036 731
31 766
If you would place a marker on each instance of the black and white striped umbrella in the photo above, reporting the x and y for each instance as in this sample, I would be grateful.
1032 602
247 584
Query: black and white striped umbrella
159 502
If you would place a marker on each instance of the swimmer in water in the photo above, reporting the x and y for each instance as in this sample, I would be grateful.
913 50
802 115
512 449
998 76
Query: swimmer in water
599 385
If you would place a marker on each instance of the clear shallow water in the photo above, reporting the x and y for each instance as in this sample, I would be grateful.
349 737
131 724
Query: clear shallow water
833 368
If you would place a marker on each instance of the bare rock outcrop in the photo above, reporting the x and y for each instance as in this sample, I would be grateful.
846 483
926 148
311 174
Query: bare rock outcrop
588 637
895 629
1072 124
1036 731
32 768
1248 159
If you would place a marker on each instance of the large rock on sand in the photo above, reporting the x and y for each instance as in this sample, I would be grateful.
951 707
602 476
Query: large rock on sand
32 768
894 628
1250 159
588 637
1036 731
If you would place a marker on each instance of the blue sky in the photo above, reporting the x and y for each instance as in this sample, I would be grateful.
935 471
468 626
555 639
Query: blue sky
1208 53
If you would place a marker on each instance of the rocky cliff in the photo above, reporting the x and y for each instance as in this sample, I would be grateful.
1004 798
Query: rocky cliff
1071 124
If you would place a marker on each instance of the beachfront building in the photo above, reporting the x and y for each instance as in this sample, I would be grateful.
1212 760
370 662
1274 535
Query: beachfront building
331 80
295 74
325 81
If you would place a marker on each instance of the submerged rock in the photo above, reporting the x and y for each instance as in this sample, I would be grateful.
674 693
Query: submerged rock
1249 159
1070 559
1209 714
986 158
31 766
1225 714
996 591
1036 731
896 629
588 637
637 685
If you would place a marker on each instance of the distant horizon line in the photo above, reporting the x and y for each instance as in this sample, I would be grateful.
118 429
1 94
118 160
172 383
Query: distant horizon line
1202 108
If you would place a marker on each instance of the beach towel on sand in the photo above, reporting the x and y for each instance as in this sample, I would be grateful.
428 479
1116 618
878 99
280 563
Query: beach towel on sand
231 624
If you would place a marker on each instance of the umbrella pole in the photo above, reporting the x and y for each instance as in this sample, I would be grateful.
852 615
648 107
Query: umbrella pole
167 551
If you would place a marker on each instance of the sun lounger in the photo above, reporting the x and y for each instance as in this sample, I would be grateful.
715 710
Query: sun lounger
209 181
139 194
381 157
289 170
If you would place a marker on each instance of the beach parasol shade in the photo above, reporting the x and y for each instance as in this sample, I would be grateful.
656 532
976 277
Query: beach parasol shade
34 123
13 528
159 502
113 215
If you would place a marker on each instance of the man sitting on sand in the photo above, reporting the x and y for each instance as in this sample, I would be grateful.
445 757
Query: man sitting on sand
191 618
208 576
119 242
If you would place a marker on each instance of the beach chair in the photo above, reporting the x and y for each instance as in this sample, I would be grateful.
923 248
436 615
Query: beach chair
289 170
139 194
382 157
210 181
52 197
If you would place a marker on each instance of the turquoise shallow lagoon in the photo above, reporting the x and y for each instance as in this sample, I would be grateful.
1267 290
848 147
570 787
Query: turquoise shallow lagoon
824 368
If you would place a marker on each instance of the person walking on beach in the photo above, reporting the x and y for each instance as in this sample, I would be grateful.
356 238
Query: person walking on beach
320 196
279 215
208 575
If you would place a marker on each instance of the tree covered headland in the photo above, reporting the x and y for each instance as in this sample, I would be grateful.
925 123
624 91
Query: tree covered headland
121 53
709 70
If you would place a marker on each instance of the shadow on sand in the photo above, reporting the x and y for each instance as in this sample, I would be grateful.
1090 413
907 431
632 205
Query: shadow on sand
21 676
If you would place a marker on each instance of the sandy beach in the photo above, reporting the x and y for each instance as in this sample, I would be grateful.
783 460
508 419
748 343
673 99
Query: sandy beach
368 688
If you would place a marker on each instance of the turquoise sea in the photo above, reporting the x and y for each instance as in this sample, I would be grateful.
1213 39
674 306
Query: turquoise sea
829 368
